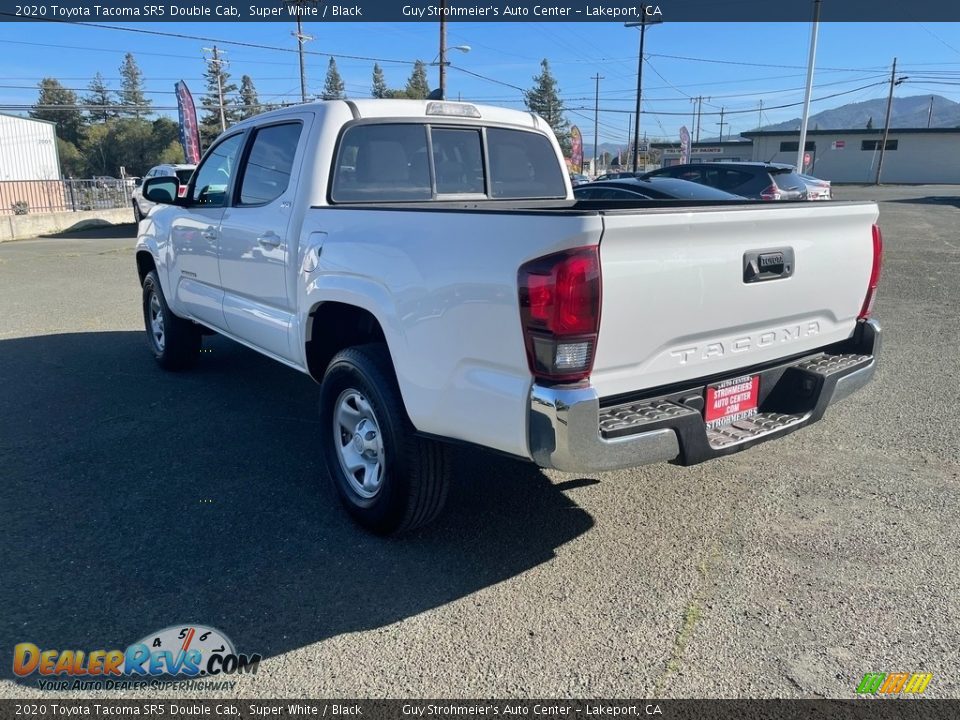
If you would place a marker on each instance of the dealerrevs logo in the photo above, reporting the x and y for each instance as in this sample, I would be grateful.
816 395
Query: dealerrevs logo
179 651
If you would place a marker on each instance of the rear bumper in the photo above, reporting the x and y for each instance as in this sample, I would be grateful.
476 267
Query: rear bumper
570 430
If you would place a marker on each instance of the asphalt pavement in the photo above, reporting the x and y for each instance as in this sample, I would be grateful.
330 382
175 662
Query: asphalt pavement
132 500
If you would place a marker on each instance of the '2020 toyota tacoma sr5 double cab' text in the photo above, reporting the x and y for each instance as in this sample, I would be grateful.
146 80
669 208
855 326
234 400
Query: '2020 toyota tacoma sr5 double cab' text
426 263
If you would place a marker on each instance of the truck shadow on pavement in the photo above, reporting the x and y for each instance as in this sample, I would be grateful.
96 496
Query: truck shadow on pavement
134 499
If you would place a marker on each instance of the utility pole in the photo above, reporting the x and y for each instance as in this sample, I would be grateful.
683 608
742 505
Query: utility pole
886 122
700 100
722 123
802 145
217 63
302 39
596 119
760 116
930 112
443 50
643 31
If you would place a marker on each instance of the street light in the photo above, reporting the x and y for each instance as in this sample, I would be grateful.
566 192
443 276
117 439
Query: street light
441 58
643 31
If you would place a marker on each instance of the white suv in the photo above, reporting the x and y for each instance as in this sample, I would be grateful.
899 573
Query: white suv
142 206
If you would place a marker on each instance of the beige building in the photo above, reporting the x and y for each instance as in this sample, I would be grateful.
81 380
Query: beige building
913 155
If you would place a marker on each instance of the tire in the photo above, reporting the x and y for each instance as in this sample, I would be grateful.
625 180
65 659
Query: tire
175 342
400 481
137 214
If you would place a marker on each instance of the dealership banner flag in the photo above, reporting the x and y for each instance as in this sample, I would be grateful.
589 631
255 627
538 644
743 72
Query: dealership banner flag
189 129
576 149
684 145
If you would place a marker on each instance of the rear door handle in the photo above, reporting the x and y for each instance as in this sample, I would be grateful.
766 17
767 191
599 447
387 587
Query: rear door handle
269 239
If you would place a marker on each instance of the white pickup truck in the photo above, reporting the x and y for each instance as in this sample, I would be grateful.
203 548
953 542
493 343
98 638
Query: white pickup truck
427 264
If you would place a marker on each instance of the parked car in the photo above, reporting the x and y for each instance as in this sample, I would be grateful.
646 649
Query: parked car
141 206
455 295
107 182
755 180
817 189
617 175
578 179
656 188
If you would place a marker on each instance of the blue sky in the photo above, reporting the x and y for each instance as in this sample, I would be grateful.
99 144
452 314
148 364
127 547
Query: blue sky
761 62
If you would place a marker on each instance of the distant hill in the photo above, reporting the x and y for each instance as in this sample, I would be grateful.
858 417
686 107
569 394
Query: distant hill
906 112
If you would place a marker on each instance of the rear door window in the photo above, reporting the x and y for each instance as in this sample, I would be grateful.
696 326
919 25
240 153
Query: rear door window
523 165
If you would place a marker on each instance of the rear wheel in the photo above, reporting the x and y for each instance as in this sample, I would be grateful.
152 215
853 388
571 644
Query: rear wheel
389 479
175 342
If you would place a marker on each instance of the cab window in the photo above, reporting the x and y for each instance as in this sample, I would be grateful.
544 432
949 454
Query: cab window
216 171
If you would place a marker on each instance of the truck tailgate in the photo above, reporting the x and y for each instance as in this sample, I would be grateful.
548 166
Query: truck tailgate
677 304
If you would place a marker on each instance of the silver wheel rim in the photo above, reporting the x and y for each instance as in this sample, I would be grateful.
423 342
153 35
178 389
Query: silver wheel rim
359 443
156 322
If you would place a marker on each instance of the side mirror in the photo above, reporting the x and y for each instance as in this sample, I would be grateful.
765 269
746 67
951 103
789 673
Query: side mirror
138 182
163 190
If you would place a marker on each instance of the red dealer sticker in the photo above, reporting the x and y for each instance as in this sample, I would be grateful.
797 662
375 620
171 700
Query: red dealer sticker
731 400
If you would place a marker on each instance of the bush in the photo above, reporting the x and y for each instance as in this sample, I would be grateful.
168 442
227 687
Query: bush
20 207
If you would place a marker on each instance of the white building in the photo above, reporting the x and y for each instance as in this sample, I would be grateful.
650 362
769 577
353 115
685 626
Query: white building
28 149
913 155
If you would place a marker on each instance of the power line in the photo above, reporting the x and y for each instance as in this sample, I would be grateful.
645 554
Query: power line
220 41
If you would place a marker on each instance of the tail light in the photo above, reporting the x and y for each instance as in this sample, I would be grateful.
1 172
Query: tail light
771 192
181 191
560 312
874 274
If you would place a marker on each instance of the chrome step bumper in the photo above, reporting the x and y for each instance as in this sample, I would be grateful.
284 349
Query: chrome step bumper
569 430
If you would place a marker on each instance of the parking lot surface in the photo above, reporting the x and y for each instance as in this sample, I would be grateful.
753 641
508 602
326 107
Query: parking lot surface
133 499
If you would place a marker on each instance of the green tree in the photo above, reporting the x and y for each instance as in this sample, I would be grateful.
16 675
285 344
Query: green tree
57 104
417 86
544 100
72 163
101 107
132 97
333 85
220 93
249 101
379 89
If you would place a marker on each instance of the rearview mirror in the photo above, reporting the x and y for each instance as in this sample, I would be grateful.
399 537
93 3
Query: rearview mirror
162 190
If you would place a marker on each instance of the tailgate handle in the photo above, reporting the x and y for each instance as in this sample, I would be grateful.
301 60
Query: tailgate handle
772 264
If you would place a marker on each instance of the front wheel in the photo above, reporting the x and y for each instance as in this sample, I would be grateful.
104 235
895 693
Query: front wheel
175 342
388 478
137 213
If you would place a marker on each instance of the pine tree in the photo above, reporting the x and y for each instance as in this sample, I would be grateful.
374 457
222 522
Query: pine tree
100 100
379 89
333 85
249 102
131 89
57 104
417 86
544 100
223 92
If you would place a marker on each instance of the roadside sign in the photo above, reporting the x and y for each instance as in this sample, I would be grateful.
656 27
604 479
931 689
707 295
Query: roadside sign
684 145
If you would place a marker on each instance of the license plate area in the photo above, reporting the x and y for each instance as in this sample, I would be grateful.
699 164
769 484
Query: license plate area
731 400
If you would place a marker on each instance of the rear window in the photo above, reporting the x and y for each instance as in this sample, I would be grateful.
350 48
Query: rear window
388 162
523 165
788 180
382 163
